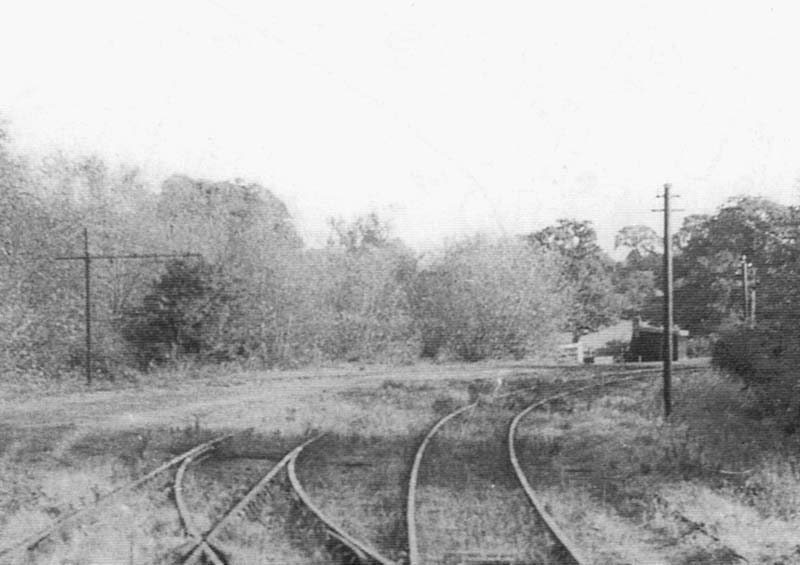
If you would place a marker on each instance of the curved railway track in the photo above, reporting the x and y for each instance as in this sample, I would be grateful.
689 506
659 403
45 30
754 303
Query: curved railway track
360 551
347 548
205 544
212 553
35 539
208 547
569 549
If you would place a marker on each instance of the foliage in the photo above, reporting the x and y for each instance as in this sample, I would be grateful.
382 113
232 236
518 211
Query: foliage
757 354
708 261
185 313
362 233
370 298
588 271
486 298
247 239
340 302
40 314
636 278
765 359
642 243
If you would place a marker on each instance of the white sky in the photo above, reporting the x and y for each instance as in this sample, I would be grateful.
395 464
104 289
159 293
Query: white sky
445 117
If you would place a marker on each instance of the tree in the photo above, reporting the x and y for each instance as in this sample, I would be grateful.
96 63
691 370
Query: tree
232 223
635 278
643 245
362 233
371 296
487 298
588 271
39 301
184 314
708 260
248 236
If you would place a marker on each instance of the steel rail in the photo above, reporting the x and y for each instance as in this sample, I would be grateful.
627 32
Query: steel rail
243 502
411 521
574 553
572 550
34 539
411 507
365 553
183 511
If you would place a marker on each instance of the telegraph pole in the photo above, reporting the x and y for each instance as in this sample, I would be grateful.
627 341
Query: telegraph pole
667 306
87 259
746 290
667 344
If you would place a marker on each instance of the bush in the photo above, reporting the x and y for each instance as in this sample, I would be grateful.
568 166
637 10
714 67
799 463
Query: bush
490 299
766 360
188 312
756 354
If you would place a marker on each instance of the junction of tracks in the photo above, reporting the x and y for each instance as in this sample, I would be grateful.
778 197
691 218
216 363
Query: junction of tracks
447 476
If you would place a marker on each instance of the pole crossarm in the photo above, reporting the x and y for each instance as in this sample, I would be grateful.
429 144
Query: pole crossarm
87 259
128 256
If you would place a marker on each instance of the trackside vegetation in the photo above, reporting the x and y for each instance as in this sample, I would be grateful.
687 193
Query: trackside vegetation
255 294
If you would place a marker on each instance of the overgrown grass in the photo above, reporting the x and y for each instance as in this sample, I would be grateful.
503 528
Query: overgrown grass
469 500
719 479
712 485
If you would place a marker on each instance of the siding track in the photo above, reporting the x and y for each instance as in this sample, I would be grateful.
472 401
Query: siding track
568 552
344 547
33 540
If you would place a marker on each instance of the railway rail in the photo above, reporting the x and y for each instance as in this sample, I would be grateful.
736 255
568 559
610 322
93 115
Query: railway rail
349 549
208 546
360 551
570 550
35 539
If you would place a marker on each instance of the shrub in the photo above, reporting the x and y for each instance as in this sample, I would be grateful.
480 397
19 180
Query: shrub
766 360
755 354
188 312
490 299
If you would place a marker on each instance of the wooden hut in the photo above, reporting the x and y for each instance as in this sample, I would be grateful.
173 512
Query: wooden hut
647 343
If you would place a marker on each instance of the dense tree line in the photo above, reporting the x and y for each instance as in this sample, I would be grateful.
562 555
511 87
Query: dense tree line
255 293
708 253
755 336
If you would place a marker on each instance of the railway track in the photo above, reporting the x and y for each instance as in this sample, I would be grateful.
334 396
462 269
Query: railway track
339 544
209 545
30 542
359 552
565 549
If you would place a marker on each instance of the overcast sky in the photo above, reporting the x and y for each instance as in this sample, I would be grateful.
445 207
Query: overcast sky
445 117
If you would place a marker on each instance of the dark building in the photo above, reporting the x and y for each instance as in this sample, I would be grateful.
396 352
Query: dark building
647 343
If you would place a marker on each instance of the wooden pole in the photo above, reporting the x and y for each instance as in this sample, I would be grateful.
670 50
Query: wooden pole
88 304
667 340
746 290
87 279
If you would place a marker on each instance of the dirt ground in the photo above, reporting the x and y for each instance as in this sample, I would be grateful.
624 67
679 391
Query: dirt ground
628 486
